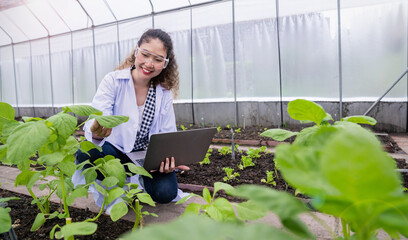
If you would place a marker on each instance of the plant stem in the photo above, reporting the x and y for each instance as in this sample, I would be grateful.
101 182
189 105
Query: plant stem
100 211
346 232
35 198
64 194
137 211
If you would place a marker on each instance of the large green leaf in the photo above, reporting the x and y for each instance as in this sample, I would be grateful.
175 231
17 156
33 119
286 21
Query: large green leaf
51 159
249 210
64 123
278 134
26 139
115 168
354 163
301 168
118 210
82 110
5 220
360 119
7 128
301 109
110 121
138 170
221 210
38 222
281 203
114 193
6 111
203 228
146 198
27 178
77 228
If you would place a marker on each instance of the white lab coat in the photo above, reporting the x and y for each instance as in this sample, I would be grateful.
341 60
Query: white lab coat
116 96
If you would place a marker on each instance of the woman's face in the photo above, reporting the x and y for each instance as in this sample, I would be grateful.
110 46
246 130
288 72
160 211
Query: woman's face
150 59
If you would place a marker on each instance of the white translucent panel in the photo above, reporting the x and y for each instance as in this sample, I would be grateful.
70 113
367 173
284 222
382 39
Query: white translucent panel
12 29
198 1
295 7
257 61
374 50
62 70
23 74
309 54
163 5
83 39
362 3
213 53
45 13
134 29
4 38
26 21
126 48
41 74
173 21
72 13
84 76
212 15
177 24
254 9
8 90
61 43
124 9
106 59
106 34
98 11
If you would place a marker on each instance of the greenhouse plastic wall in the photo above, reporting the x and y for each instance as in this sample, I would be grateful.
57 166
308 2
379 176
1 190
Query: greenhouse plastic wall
240 61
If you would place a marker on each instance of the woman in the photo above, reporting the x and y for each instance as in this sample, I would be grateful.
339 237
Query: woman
141 88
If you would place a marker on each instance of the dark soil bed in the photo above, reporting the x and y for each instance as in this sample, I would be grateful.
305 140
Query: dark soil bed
23 214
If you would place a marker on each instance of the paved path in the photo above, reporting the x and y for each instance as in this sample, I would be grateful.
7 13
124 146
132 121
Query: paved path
168 212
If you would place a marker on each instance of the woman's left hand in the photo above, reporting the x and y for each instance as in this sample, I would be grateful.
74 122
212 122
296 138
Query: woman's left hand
170 166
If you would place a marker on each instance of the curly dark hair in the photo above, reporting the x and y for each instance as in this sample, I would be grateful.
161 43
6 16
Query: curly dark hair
169 77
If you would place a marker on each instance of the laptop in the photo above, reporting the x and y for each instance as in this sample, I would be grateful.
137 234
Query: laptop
187 147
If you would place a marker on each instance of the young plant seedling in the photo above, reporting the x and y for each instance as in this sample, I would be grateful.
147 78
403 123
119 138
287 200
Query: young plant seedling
220 209
224 150
238 130
207 157
230 175
219 129
183 127
132 198
270 178
246 161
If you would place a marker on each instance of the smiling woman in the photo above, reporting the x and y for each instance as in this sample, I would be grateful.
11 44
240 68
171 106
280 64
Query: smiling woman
142 88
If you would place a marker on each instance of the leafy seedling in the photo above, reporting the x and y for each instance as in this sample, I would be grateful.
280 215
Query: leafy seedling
230 175
246 161
270 178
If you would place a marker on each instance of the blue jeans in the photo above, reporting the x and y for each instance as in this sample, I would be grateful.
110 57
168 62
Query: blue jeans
162 188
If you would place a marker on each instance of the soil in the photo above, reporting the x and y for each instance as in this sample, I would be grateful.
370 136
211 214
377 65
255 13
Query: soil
23 212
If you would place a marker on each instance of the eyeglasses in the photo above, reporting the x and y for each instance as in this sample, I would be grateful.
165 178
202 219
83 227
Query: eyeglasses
144 55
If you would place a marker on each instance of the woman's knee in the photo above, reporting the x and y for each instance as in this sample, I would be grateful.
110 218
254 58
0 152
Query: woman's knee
162 188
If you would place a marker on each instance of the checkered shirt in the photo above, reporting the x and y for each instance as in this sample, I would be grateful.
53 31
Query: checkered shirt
142 137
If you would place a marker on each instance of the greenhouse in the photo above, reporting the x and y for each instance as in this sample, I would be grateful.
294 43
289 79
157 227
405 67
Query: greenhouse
275 119
235 66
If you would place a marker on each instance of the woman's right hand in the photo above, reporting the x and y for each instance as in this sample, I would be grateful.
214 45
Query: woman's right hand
99 132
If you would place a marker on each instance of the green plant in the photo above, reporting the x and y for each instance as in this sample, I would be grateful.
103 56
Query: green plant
219 129
230 176
52 141
228 126
345 170
270 178
132 198
238 130
5 219
253 153
220 209
183 128
206 159
263 149
224 150
246 161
